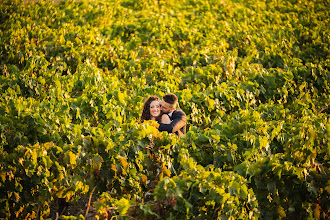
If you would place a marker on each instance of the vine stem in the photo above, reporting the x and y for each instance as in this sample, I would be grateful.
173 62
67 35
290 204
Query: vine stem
89 201
325 107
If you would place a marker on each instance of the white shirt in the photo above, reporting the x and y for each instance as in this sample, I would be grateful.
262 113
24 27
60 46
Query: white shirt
170 114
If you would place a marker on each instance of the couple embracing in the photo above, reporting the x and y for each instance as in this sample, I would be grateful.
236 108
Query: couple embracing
165 113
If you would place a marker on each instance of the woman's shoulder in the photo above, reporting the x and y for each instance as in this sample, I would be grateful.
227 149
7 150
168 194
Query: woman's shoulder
165 119
165 116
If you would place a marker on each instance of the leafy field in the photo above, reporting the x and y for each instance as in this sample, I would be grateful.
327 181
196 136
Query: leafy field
251 75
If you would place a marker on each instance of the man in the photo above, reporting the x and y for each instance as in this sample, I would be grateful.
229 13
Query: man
178 117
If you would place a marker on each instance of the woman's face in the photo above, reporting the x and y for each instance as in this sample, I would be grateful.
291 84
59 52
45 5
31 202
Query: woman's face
154 108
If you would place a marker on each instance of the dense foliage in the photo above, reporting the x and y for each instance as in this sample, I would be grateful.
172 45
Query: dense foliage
252 76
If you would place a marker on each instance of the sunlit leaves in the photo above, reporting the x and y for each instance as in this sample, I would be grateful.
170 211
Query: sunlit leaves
204 191
252 77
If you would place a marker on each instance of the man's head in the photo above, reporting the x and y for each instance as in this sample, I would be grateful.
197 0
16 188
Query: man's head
168 103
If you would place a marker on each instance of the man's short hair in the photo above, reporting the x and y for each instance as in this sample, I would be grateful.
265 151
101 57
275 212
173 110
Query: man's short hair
171 99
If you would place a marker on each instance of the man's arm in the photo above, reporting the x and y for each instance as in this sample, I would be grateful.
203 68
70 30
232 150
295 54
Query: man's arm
179 120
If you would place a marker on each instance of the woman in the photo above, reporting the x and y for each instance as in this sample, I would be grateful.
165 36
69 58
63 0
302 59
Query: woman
151 111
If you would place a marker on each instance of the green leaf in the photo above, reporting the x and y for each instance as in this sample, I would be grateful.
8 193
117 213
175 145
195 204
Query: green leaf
121 97
263 142
327 188
242 168
34 156
123 206
210 103
147 210
244 192
58 90
77 113
97 162
234 188
70 158
281 212
47 161
202 138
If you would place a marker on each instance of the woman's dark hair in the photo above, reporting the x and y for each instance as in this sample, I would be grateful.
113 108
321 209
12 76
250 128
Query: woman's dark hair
146 109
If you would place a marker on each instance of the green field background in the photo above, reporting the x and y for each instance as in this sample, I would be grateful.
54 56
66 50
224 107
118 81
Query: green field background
251 75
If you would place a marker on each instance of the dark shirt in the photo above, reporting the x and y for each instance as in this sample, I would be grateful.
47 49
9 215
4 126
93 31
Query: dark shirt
178 124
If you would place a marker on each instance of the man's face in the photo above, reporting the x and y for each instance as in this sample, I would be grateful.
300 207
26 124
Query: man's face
166 107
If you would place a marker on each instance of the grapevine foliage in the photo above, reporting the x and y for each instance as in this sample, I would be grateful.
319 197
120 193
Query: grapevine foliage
252 77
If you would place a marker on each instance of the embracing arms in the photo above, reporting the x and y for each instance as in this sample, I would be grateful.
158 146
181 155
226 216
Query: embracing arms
179 120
